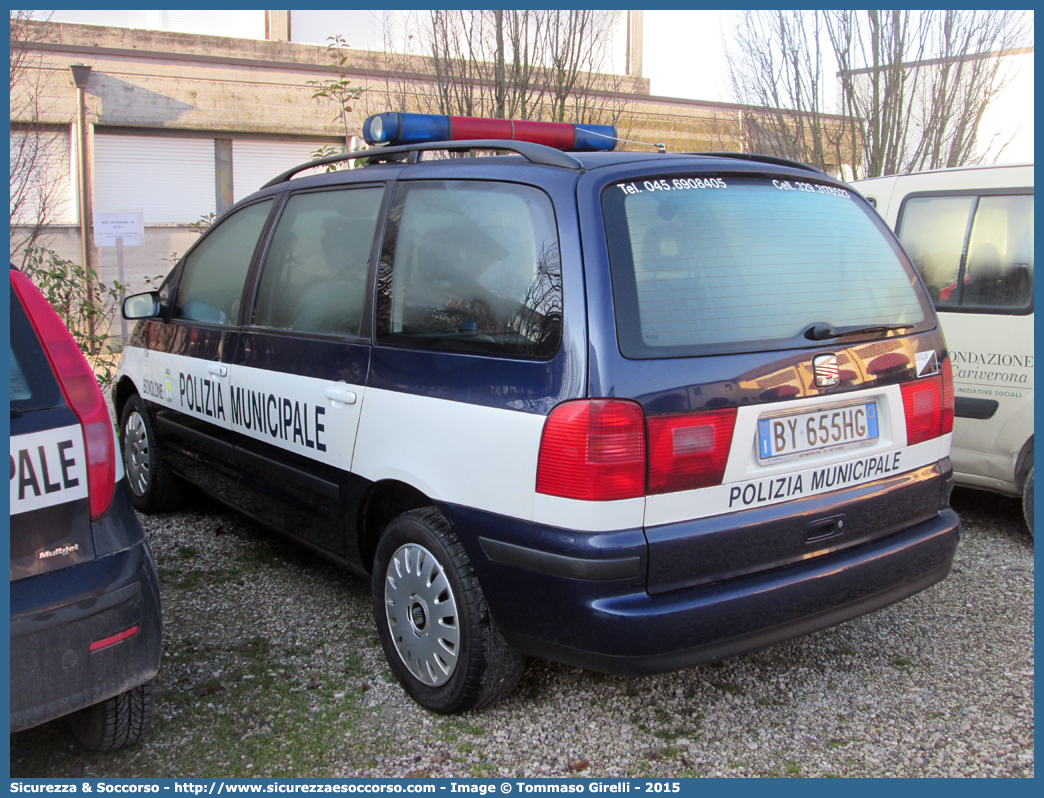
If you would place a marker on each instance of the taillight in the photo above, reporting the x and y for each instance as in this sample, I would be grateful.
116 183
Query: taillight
947 389
593 449
80 390
689 451
923 407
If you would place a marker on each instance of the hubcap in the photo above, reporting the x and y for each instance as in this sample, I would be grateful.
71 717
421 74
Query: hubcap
422 614
136 454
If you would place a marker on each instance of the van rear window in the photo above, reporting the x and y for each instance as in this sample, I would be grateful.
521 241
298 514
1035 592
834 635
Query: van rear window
733 264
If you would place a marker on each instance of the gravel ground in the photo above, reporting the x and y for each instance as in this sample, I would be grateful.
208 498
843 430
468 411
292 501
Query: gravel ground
272 667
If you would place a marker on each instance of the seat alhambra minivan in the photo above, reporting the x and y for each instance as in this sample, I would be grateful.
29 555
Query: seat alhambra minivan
630 411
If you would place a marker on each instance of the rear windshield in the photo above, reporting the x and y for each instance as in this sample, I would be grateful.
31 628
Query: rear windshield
706 265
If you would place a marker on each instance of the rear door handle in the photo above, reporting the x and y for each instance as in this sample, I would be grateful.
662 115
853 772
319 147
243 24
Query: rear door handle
218 369
341 396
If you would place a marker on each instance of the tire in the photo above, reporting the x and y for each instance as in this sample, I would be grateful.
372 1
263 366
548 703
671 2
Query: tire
120 721
153 489
423 581
1027 501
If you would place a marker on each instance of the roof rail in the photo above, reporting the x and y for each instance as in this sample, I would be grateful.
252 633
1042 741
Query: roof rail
534 153
754 156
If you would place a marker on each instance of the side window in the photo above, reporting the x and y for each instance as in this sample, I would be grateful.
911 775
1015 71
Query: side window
933 230
973 252
212 276
314 275
999 270
471 267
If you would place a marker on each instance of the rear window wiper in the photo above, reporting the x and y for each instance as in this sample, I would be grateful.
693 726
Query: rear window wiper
823 330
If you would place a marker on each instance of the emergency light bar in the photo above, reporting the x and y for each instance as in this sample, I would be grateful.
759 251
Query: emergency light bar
397 128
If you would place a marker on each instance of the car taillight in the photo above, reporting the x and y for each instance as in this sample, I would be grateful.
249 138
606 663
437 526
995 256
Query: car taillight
689 451
593 449
947 388
80 390
923 405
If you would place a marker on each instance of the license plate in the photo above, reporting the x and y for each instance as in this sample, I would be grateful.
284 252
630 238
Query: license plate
820 429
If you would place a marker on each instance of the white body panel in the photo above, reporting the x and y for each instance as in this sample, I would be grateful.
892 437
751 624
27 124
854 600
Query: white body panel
486 458
48 468
312 417
476 456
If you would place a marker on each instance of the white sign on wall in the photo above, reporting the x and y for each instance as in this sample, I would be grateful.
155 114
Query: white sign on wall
110 225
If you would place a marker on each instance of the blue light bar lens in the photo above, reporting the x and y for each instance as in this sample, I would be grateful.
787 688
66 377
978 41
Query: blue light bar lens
396 128
595 138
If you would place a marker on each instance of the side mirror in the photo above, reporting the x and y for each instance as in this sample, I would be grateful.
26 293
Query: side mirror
141 306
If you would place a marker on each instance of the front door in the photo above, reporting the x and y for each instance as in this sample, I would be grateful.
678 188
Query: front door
296 384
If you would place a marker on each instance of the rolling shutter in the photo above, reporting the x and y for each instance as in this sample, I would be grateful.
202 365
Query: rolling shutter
254 163
170 179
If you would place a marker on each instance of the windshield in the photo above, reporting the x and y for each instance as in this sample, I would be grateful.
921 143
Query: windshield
731 264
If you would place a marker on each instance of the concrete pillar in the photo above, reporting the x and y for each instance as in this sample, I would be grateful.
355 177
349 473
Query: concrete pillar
277 26
634 44
223 174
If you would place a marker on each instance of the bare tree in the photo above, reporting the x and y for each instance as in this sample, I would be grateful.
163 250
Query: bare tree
777 69
912 85
513 64
39 153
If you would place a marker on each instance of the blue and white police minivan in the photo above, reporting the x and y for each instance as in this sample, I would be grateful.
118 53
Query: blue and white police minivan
628 411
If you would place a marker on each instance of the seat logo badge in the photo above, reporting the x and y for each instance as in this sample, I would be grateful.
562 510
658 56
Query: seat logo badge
824 367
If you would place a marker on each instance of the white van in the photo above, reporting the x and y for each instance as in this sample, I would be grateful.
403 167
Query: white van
969 231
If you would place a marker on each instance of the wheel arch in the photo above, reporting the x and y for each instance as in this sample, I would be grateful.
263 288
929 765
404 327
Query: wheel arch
1023 464
124 390
385 501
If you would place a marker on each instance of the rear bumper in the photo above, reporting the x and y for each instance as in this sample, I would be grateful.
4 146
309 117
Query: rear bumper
56 616
688 627
584 599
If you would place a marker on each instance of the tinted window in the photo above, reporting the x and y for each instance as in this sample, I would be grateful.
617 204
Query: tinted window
212 276
314 277
33 385
20 390
933 231
975 253
738 264
471 267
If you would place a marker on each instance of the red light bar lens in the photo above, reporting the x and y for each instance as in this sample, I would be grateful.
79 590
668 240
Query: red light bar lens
112 640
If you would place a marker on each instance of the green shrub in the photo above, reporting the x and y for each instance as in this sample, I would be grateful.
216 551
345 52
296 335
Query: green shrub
64 284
